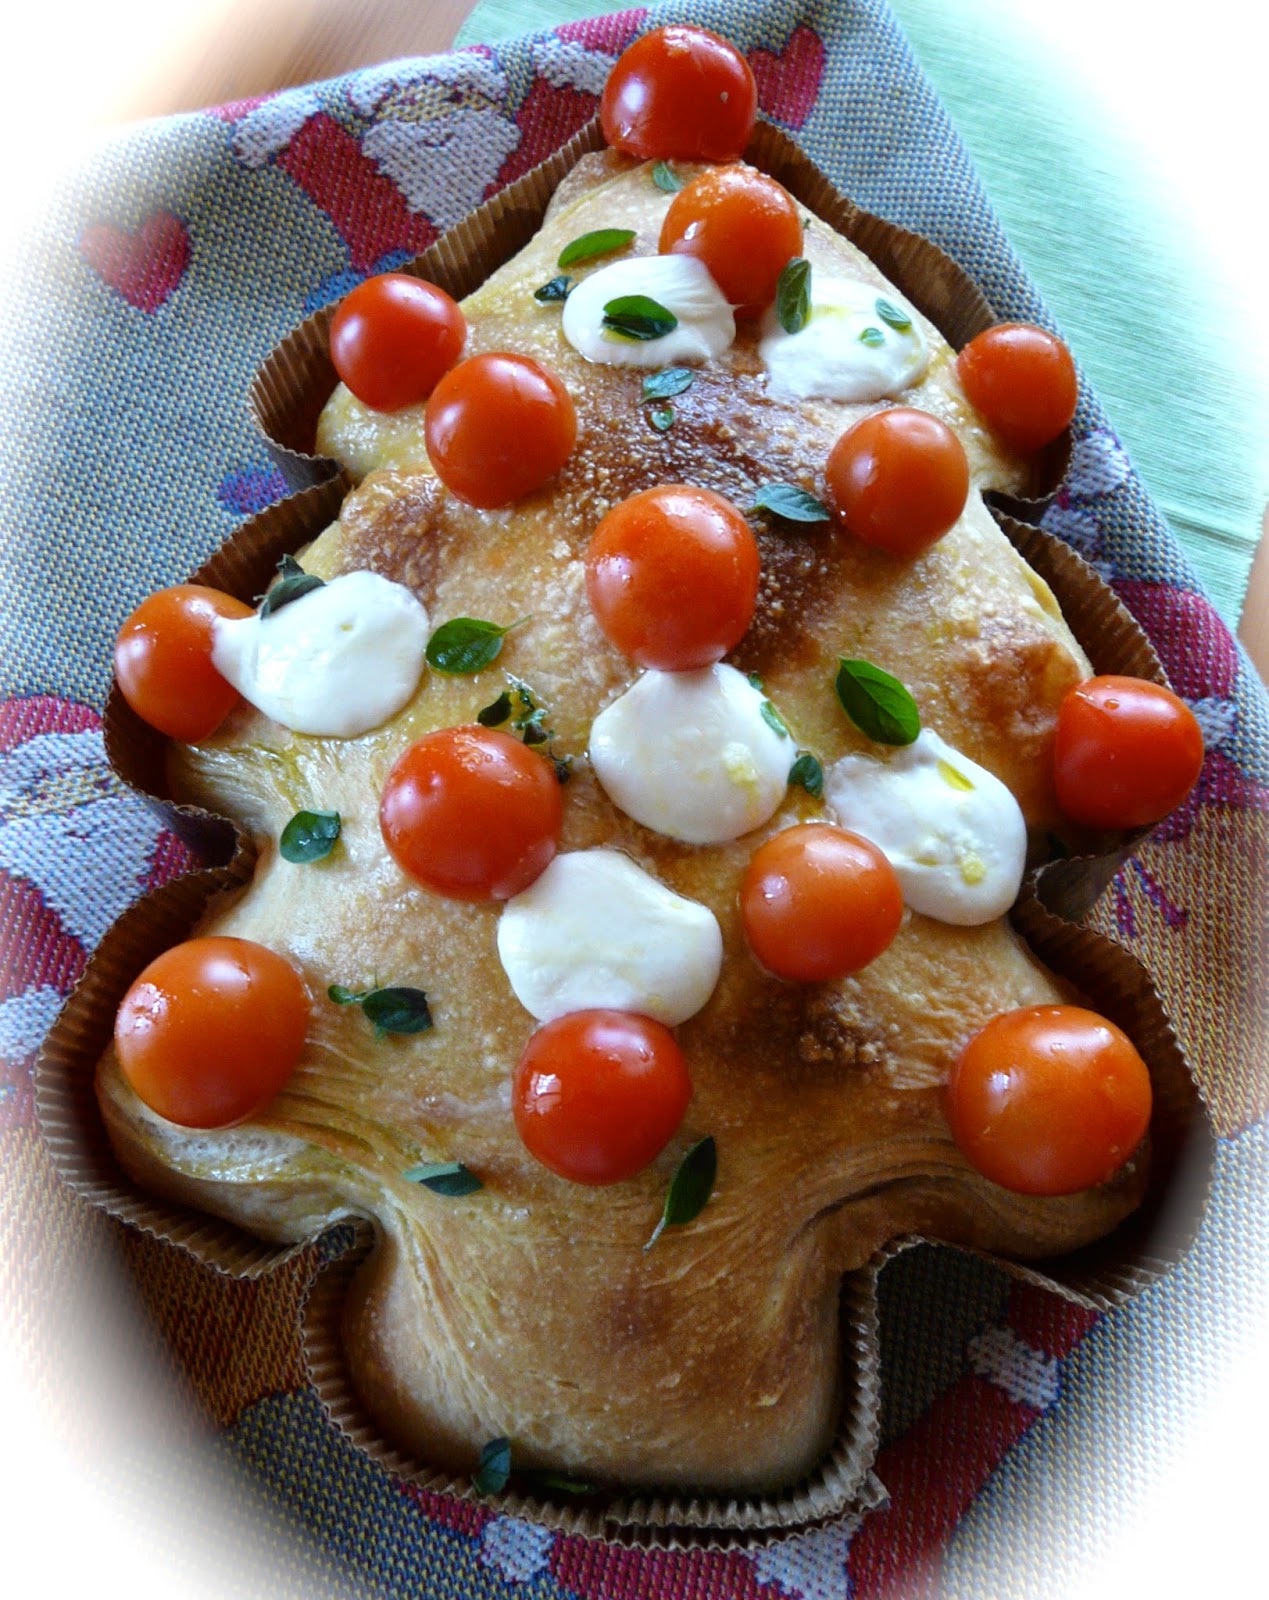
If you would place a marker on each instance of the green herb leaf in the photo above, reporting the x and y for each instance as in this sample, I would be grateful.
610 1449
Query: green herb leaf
494 1470
346 997
493 716
637 316
793 295
602 242
774 720
755 681
450 1178
877 703
808 774
545 1482
665 177
557 289
466 644
793 504
662 418
398 1010
891 315
294 584
309 836
872 337
563 768
664 385
690 1188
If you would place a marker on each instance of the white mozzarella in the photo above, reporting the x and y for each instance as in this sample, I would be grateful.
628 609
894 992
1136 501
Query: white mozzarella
847 350
338 661
692 755
681 284
952 831
595 930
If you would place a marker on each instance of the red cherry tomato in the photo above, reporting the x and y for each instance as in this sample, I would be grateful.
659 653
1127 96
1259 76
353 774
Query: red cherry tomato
497 427
392 338
818 902
680 93
597 1095
899 479
1023 381
163 661
1049 1100
743 225
472 813
672 577
212 1030
1126 753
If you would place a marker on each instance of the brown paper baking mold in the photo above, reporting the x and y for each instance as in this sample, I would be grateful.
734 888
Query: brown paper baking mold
285 399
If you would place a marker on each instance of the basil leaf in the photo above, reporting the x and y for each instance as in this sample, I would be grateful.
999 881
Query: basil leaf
891 315
639 317
774 720
450 1178
465 644
793 504
294 585
808 774
662 418
493 716
690 1188
664 385
877 703
491 1476
664 176
602 242
346 997
872 337
793 295
557 289
398 1010
309 836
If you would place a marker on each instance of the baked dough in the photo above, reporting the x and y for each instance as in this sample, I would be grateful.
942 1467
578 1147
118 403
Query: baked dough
531 1309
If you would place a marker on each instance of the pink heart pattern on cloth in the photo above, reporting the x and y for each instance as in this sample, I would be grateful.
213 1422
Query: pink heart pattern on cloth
788 83
147 266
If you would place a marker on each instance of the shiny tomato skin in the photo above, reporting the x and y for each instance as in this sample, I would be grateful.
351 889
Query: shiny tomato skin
680 93
819 902
1126 752
1049 1100
899 480
1023 381
472 813
744 226
497 427
672 577
212 1030
392 338
163 661
597 1095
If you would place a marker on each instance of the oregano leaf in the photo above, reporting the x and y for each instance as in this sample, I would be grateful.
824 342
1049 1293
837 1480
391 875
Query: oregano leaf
466 644
294 583
557 289
668 382
793 504
494 1470
309 836
808 774
877 703
690 1187
638 316
793 295
891 315
450 1178
600 242
398 1010
665 177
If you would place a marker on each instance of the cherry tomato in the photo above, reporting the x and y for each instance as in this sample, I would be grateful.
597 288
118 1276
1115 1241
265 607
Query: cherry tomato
744 226
1049 1100
899 479
1023 381
1126 753
818 902
672 577
680 93
212 1030
597 1095
497 427
163 661
392 338
472 813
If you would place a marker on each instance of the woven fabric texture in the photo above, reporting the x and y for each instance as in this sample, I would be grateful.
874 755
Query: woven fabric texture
154 284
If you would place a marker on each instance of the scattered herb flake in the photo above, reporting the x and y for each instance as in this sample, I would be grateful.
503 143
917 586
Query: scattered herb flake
793 295
557 289
665 177
877 703
638 316
494 1470
873 337
450 1178
662 418
668 382
793 504
602 242
690 1187
808 774
774 720
494 715
309 836
294 583
466 644
893 317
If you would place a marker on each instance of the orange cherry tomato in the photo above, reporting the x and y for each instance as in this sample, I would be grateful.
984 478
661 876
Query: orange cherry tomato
163 661
1126 752
212 1030
597 1095
818 902
680 93
899 480
497 427
472 813
743 225
1023 381
392 338
672 577
1049 1100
